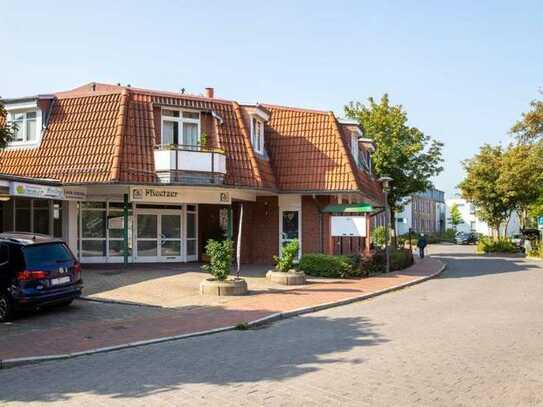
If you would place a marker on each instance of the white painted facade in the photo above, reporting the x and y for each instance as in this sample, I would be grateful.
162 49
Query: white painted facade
471 223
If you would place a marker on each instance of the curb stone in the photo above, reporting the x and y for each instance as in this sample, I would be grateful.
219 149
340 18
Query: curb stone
8 363
119 302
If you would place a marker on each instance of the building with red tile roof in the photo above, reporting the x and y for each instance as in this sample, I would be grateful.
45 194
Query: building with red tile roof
197 158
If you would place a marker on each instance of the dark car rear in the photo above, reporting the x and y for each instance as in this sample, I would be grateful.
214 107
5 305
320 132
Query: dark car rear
36 271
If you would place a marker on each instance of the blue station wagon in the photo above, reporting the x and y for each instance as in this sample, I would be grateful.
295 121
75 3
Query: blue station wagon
36 271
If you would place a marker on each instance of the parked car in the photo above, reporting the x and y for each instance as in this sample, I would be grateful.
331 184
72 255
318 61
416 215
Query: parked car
466 238
518 240
525 235
36 271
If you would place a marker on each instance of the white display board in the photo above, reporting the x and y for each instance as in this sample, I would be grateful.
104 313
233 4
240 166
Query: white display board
354 226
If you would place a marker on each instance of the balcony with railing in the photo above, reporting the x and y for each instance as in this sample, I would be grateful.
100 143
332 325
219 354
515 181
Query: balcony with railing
189 164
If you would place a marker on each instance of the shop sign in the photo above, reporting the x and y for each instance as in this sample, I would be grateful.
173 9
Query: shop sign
75 194
35 190
178 195
348 226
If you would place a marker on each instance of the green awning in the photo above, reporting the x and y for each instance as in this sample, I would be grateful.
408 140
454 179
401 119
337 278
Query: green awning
348 208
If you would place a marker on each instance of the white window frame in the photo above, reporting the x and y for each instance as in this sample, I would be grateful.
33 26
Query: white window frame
180 121
257 140
354 148
18 108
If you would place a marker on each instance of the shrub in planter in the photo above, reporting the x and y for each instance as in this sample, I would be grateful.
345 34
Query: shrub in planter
220 258
285 263
322 265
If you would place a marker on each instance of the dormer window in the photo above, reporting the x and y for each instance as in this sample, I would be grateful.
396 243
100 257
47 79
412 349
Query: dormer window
26 126
181 128
257 135
27 118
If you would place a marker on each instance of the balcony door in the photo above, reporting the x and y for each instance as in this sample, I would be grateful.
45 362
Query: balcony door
159 235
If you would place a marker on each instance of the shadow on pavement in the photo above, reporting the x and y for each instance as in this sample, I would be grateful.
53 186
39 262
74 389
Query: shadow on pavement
274 353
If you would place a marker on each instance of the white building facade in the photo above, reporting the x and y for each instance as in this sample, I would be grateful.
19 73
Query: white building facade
471 222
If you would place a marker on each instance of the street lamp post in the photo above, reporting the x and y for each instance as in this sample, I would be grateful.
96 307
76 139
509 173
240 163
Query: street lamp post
385 181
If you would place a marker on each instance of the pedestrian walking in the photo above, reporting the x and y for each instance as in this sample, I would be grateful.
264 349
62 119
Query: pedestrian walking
421 244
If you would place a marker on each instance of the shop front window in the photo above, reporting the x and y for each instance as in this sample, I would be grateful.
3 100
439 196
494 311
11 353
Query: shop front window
93 229
102 229
40 216
23 210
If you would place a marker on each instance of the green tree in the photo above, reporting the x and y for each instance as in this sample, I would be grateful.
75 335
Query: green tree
403 152
521 177
7 130
530 127
456 216
481 186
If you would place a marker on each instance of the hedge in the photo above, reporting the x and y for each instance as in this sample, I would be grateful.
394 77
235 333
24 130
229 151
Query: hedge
322 265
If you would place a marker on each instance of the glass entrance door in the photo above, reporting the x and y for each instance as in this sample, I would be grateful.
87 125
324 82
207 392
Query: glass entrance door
159 235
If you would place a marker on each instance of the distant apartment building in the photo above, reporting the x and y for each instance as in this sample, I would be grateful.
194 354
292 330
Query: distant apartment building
423 213
472 223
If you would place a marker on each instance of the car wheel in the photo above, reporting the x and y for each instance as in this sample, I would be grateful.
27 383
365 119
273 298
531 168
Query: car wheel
6 308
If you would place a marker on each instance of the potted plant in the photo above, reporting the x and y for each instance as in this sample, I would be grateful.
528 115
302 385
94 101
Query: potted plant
220 263
284 272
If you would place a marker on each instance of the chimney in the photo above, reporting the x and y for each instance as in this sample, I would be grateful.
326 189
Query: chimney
209 93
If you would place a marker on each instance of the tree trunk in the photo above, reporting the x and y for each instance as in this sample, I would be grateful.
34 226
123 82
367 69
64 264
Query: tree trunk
507 225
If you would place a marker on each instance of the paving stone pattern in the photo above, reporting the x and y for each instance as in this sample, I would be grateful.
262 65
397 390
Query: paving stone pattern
472 337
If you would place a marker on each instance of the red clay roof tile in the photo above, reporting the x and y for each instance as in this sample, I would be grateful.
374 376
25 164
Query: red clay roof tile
106 133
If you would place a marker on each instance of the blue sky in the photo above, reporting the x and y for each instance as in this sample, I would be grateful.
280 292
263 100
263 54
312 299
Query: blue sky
463 70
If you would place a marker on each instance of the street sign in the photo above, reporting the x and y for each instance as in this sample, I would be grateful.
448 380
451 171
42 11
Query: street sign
540 222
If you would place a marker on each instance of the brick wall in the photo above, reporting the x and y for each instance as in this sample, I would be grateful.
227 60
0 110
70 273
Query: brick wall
311 227
264 227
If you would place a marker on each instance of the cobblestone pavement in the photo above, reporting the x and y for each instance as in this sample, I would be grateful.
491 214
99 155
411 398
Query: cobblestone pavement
472 337
90 325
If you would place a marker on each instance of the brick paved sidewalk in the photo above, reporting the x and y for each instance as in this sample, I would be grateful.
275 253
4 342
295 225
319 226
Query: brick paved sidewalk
94 334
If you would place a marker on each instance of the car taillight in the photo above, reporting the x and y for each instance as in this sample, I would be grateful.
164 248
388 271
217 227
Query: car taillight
31 275
77 271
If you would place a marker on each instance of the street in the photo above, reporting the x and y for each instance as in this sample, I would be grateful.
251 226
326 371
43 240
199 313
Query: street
472 337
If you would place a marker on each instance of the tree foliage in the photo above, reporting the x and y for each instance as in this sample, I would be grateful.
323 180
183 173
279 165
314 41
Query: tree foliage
403 152
499 181
456 216
7 130
521 176
480 186
530 127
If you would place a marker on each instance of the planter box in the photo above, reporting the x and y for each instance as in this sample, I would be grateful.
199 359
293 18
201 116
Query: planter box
291 277
229 287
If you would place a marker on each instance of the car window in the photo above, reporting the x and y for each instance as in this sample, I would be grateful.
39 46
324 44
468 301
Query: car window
46 254
4 253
